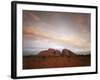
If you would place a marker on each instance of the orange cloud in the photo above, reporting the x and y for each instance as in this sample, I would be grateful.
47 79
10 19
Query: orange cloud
74 40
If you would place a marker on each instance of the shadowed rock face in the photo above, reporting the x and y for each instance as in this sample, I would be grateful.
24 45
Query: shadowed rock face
57 53
53 52
67 52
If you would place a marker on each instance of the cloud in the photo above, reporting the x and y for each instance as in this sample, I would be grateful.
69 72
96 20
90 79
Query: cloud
64 29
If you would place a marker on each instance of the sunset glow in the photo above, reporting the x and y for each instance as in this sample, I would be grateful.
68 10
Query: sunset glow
57 30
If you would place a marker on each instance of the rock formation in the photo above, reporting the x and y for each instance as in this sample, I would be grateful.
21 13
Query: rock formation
67 52
57 53
53 52
50 52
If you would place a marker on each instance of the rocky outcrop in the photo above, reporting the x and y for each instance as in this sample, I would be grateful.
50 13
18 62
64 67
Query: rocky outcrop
67 52
57 53
44 53
50 52
53 52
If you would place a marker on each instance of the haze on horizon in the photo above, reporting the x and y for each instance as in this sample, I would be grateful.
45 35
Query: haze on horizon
58 30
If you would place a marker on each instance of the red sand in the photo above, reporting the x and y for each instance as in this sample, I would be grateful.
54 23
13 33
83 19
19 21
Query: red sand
37 61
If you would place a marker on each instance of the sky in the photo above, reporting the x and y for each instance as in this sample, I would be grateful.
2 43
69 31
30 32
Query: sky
58 30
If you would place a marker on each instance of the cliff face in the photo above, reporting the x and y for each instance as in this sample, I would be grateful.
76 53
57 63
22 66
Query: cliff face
53 52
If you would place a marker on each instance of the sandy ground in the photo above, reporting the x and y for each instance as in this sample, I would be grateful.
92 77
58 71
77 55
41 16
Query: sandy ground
37 62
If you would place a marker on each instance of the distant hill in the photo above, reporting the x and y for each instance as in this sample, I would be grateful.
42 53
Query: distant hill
54 52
